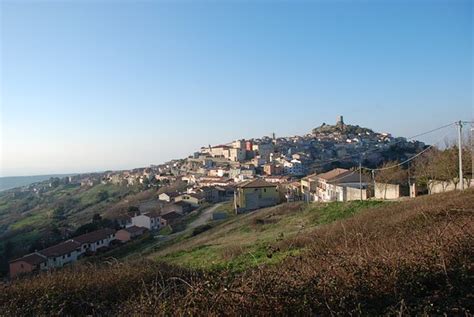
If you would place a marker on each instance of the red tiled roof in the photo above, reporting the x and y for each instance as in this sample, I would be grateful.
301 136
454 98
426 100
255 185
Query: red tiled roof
171 216
312 176
94 236
33 259
257 183
60 249
335 173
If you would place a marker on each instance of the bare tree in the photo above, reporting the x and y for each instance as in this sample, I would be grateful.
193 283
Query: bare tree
441 166
390 173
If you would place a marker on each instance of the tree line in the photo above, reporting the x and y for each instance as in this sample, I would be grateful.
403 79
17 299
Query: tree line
433 166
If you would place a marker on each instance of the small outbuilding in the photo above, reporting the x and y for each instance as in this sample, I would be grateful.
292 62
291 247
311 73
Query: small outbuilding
127 234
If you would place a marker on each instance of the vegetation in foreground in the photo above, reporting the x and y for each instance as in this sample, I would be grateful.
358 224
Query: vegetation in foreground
413 257
252 239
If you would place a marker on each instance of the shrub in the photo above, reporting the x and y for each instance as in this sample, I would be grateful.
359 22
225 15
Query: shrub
201 229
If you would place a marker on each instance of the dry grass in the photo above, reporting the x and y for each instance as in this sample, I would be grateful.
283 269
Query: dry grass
257 238
414 257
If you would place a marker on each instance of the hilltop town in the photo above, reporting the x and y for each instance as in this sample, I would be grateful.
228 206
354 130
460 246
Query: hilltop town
248 174
277 159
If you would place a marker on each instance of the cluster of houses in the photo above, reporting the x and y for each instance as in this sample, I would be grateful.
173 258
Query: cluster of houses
167 210
63 253
227 165
335 185
132 227
277 160
72 250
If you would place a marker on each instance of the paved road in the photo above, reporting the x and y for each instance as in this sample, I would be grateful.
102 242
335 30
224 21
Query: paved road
204 217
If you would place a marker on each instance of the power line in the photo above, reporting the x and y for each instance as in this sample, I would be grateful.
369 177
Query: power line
430 131
408 160
381 149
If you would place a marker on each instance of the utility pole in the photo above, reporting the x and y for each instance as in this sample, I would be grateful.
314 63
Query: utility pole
373 180
472 151
409 181
360 179
461 177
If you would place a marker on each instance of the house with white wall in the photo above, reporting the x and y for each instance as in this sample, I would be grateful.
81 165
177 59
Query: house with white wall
150 220
333 185
62 253
293 167
194 199
168 197
93 241
336 185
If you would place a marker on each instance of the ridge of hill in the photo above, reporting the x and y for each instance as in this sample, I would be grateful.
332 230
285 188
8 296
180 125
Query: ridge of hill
410 257
9 182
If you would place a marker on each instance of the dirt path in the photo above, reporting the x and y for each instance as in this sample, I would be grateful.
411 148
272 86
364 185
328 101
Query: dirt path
204 217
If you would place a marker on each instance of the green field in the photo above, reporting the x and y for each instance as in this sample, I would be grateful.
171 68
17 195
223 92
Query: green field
255 238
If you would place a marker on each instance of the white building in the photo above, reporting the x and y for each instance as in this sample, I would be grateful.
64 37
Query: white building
168 197
293 167
62 254
93 241
235 154
151 221
336 185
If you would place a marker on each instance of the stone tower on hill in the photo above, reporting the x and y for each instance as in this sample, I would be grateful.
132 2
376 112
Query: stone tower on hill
340 122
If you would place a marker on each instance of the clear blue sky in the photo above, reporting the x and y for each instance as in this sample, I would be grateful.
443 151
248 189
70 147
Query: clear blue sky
95 85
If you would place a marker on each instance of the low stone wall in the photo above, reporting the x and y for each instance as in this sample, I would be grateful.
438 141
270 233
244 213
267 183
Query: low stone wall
386 191
435 187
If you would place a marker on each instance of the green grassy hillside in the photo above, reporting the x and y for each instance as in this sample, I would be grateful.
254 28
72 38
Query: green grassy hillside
408 258
252 239
30 220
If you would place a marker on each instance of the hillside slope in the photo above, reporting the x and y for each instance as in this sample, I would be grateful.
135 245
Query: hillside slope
31 221
255 238
404 258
